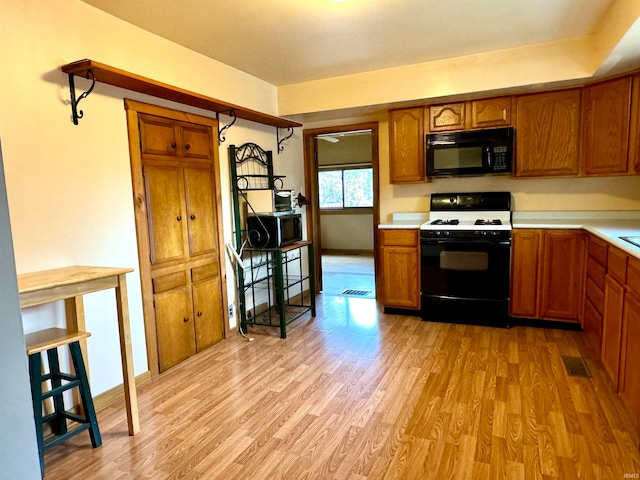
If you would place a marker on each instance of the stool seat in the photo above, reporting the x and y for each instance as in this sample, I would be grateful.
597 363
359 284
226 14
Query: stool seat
44 340
49 340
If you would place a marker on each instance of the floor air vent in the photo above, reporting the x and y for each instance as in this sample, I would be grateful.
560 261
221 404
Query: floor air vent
576 367
356 293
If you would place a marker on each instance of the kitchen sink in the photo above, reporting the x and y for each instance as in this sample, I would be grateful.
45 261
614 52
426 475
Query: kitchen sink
632 240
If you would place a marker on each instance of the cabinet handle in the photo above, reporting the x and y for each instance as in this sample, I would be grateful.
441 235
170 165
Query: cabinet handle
185 319
179 217
193 217
173 145
199 314
187 146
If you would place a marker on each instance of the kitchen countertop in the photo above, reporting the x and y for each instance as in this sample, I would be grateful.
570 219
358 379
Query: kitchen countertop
608 225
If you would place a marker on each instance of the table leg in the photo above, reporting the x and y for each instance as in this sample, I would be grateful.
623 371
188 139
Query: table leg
130 395
74 309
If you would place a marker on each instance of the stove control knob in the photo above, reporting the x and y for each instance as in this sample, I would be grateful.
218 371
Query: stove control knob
446 233
438 233
476 233
483 233
494 233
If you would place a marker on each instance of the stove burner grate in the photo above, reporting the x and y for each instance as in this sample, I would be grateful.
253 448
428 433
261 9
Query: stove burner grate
488 222
445 222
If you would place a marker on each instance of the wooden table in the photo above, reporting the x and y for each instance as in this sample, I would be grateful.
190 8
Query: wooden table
70 284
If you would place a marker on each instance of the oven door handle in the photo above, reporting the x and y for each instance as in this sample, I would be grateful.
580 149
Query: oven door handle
458 242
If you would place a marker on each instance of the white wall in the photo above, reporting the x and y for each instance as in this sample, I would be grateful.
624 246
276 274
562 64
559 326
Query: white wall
18 450
69 187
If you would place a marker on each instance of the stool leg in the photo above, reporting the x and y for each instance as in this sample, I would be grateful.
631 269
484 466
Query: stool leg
59 424
85 394
35 365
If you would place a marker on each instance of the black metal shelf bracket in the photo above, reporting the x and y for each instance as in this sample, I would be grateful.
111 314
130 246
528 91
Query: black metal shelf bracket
78 114
280 140
232 114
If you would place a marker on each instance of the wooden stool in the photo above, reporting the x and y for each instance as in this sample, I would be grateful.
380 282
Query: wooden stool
49 340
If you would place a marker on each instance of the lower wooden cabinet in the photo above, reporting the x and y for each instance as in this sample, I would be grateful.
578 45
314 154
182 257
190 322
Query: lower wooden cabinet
612 328
629 375
547 274
525 251
400 260
188 306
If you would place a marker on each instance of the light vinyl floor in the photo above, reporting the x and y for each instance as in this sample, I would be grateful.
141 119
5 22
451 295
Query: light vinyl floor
357 394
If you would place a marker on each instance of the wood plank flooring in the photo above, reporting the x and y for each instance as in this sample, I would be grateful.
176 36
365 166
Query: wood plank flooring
357 394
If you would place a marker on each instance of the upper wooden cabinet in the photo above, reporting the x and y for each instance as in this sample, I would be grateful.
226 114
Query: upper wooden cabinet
606 127
482 113
491 112
547 134
407 161
161 138
443 118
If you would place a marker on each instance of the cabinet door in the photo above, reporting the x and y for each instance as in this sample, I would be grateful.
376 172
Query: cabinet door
174 325
562 279
401 277
406 146
524 277
612 328
196 142
157 137
592 325
201 214
630 359
548 126
491 112
165 205
443 118
208 312
606 127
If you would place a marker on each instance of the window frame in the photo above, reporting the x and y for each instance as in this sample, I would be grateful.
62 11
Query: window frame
342 168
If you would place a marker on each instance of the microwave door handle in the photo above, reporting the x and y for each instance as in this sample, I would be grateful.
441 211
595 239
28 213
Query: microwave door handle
488 155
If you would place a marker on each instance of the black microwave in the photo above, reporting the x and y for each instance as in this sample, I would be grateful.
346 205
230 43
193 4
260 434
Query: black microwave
475 152
274 230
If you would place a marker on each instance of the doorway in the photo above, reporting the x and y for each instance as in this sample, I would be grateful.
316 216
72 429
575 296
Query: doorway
341 180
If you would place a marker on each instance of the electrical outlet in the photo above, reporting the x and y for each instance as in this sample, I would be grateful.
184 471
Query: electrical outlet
231 311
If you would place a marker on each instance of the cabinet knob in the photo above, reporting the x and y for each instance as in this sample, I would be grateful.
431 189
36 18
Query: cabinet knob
187 146
193 217
185 319
173 145
179 217
199 314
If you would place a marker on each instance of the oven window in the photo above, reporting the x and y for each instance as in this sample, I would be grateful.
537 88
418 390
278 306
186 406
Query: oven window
457 158
464 261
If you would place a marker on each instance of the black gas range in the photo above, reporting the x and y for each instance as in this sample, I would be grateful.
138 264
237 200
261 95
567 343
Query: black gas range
466 258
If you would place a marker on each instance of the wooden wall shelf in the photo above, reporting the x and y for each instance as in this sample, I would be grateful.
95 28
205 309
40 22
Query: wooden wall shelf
130 81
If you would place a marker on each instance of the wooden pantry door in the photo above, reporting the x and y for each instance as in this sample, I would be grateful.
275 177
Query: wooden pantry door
176 184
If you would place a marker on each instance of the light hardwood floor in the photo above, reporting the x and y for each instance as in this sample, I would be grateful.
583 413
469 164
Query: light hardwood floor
356 394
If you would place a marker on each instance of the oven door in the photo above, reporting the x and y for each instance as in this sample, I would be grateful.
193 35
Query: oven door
466 281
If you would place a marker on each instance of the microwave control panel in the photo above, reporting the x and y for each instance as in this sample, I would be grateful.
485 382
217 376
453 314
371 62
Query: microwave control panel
500 158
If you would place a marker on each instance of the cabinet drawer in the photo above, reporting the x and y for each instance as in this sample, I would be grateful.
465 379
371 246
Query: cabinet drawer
596 272
598 250
407 238
596 295
633 276
169 281
617 264
205 271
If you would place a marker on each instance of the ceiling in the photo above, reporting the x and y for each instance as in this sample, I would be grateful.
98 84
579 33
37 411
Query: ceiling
291 41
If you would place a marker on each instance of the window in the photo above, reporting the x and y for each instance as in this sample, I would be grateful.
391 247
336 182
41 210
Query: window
346 187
